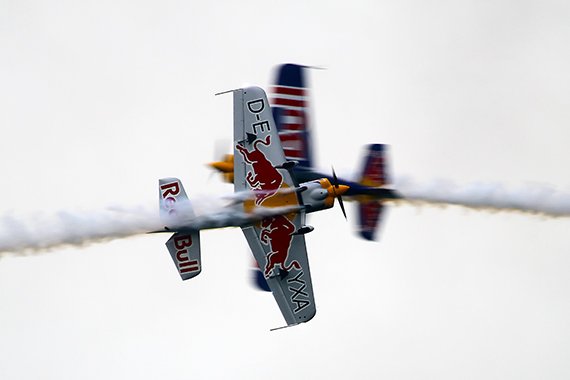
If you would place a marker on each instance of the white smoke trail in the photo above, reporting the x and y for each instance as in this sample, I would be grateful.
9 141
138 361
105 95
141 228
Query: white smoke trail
29 233
23 234
533 198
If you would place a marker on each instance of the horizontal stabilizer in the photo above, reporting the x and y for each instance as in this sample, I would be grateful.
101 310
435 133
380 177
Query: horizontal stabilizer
173 201
374 171
369 214
184 249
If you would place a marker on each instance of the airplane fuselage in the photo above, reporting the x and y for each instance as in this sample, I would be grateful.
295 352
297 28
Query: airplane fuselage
304 174
315 195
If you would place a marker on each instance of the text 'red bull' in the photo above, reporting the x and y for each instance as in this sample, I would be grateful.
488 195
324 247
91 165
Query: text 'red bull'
169 193
185 264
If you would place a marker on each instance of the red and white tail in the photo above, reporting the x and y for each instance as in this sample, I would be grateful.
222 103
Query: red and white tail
184 246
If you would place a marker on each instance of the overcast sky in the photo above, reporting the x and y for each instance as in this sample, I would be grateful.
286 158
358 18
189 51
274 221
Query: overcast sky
99 99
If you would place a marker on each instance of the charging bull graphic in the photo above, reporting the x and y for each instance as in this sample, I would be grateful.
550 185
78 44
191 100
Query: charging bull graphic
263 175
277 232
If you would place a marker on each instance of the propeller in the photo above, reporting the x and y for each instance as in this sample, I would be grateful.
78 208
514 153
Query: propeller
336 195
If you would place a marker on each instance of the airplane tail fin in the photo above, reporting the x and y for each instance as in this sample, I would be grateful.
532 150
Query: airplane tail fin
374 174
184 246
369 214
289 103
173 201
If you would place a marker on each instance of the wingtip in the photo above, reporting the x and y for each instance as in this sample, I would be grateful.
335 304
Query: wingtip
225 92
284 327
367 235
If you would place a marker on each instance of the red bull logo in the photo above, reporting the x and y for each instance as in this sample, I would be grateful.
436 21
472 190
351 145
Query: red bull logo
263 176
182 243
169 193
277 232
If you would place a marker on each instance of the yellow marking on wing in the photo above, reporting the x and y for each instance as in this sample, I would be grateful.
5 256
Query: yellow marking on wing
284 197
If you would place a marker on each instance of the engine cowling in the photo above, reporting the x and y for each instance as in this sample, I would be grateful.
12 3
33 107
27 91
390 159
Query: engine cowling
320 194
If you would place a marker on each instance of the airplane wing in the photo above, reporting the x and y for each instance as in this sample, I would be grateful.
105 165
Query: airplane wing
290 106
276 241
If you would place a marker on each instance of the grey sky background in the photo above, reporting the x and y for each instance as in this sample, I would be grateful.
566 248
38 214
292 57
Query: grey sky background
99 99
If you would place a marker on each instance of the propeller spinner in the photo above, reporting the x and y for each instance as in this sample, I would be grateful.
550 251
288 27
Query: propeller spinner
337 191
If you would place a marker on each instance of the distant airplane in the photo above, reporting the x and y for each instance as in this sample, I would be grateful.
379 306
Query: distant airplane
269 206
289 104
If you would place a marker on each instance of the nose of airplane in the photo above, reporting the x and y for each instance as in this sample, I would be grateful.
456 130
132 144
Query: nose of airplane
337 190
341 189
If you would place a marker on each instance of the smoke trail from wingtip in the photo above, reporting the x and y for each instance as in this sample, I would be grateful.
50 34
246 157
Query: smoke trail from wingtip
532 198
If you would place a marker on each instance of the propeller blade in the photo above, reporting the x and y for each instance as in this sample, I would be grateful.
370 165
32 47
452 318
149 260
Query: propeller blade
335 187
341 204
335 179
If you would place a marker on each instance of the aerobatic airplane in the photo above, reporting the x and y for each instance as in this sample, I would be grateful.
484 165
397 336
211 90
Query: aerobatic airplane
270 209
289 104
